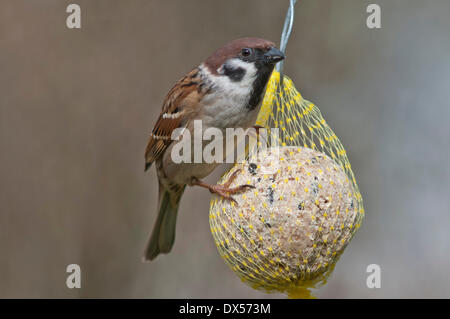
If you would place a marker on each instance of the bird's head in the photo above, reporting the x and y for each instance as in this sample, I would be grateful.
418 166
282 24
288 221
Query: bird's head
249 58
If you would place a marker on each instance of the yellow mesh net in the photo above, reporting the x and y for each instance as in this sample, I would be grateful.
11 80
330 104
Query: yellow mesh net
301 124
289 232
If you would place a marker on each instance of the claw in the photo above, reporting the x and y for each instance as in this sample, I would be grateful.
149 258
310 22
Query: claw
232 178
225 190
247 185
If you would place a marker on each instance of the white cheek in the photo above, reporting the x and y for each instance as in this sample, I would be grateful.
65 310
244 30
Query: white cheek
227 105
250 72
239 91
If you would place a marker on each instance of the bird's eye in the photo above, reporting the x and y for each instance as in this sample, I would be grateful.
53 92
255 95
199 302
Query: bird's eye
246 52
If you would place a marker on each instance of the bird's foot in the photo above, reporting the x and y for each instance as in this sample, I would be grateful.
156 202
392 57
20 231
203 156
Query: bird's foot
224 190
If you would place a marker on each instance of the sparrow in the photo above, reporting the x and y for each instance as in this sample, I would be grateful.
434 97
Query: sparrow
225 91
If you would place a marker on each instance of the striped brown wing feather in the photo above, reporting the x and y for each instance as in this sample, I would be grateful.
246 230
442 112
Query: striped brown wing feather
179 106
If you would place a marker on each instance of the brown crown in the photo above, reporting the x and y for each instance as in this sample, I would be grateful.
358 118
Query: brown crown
232 49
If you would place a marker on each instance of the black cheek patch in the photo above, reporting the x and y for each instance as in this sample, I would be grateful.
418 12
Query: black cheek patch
235 74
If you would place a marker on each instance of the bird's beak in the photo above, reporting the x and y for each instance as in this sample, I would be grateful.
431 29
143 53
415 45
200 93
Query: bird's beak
274 55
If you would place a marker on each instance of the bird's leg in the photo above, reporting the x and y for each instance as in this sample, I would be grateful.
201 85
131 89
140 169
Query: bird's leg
223 190
257 128
257 136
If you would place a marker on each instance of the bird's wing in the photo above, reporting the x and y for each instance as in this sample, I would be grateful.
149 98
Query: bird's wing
179 107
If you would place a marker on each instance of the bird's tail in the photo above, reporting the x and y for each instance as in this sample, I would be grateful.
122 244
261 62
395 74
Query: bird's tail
163 235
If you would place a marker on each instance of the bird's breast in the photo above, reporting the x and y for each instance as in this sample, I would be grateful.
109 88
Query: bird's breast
226 104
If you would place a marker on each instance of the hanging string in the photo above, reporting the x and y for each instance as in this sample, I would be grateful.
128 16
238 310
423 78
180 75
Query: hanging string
287 29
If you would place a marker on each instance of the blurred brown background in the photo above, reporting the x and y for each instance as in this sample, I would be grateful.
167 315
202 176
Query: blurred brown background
77 106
